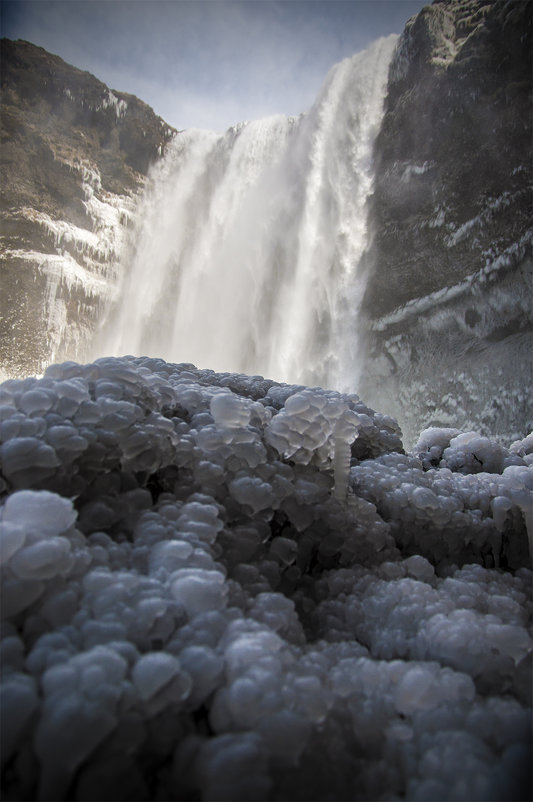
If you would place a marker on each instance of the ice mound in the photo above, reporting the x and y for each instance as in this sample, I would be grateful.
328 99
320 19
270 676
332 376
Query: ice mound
218 587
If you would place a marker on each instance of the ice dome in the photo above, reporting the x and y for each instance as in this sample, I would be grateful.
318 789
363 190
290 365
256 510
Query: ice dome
217 587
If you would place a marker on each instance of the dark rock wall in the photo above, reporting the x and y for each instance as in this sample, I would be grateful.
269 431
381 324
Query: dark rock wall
74 156
449 295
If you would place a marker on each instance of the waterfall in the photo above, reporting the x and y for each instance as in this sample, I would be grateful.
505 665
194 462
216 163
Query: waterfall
246 257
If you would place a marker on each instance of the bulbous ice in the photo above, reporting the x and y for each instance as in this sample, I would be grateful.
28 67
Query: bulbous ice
229 410
247 584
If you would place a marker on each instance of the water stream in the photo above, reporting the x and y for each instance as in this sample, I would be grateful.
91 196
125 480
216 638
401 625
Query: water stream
246 257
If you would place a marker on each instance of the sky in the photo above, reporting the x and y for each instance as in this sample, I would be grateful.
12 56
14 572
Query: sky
208 63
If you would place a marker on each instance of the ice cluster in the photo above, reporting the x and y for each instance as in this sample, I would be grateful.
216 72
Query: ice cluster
217 587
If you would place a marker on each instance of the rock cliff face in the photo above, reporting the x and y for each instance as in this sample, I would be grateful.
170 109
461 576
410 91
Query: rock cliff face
449 297
74 158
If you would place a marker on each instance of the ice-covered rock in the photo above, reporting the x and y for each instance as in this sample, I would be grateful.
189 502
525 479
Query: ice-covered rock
199 602
449 297
65 224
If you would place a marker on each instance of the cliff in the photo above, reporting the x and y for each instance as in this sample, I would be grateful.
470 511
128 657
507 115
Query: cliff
74 159
449 295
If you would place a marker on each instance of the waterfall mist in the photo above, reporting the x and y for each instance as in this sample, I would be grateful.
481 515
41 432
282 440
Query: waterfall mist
246 255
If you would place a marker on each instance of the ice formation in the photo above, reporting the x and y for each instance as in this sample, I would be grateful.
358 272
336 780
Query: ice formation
217 587
76 261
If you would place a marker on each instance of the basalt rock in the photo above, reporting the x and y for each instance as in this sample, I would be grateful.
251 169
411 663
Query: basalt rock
449 296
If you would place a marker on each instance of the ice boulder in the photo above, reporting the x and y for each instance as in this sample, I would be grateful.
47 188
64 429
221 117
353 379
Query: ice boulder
39 512
216 586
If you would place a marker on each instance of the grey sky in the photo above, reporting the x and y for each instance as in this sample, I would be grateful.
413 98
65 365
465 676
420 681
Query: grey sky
208 63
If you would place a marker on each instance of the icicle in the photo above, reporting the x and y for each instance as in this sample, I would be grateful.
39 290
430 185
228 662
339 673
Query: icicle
341 468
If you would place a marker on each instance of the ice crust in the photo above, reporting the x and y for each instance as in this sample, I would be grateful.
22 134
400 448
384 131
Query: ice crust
218 587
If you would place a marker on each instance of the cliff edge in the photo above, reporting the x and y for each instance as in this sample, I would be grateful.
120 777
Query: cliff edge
449 295
74 159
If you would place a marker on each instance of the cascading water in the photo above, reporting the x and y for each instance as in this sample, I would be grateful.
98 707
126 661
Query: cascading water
248 245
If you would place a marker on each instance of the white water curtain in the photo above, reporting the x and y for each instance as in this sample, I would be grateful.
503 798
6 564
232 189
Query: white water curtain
247 247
